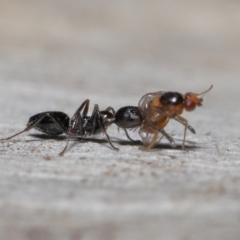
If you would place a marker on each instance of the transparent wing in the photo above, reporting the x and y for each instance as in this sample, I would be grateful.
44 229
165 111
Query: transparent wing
147 108
147 98
151 137
148 136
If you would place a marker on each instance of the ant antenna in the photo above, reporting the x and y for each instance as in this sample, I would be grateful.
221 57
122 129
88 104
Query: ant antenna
203 93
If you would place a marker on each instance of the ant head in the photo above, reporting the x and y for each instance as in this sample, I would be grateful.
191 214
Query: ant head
192 100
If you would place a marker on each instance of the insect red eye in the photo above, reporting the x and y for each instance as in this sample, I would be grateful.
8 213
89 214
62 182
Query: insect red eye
190 102
189 105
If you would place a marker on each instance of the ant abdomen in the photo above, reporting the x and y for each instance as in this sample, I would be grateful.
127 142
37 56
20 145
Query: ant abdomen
53 123
128 117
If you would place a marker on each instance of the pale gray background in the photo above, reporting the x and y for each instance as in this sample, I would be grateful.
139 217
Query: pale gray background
55 54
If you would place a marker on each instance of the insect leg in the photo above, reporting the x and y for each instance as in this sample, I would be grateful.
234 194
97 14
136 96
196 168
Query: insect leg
183 121
111 109
126 132
76 123
93 119
99 118
29 127
169 138
164 134
86 107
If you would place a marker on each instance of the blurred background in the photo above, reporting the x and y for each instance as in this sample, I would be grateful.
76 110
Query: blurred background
118 49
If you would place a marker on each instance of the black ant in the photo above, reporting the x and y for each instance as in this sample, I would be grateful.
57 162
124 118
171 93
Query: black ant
80 125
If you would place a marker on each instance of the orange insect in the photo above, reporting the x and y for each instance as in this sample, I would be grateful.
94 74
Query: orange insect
159 107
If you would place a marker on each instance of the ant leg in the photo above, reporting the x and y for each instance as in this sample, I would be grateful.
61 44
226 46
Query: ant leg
183 121
126 132
98 117
29 127
86 107
111 109
65 148
76 120
76 123
93 119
